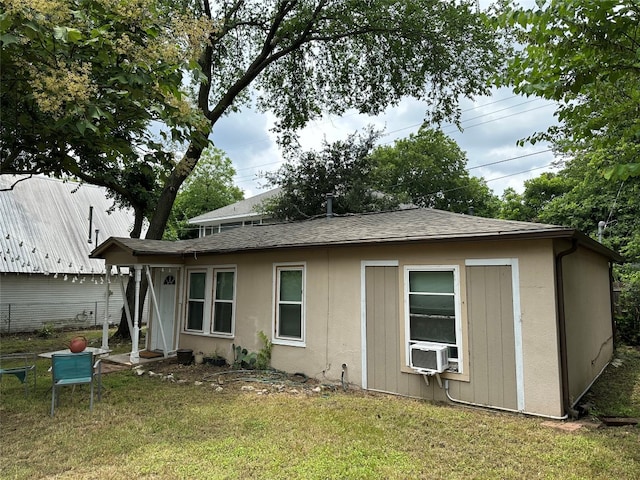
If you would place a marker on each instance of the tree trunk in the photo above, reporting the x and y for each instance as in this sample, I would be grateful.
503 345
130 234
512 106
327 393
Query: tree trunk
123 328
156 228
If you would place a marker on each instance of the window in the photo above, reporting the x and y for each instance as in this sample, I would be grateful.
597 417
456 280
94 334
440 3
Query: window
223 303
432 307
289 303
196 300
210 303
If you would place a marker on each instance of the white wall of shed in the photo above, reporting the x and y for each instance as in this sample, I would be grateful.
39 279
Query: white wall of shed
27 302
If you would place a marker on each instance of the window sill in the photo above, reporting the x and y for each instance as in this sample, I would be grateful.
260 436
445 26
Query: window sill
459 377
289 343
208 335
221 335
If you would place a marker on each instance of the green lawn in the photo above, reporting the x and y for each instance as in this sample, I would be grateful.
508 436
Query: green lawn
149 428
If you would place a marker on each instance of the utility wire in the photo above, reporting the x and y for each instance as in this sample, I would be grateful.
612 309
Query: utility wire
246 179
504 160
510 159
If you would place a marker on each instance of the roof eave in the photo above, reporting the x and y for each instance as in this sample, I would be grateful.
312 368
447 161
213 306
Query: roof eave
218 220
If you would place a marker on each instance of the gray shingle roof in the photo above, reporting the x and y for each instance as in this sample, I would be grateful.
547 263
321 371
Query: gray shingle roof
238 210
44 226
425 225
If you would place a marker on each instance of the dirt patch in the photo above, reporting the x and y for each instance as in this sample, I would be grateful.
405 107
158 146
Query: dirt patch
227 378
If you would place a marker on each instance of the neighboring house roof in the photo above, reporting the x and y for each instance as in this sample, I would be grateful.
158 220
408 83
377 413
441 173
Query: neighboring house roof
244 209
44 225
411 225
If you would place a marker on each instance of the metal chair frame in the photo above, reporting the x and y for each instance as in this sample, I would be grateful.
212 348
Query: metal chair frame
73 369
19 365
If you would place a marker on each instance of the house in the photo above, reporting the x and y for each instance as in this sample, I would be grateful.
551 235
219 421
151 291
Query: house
47 229
239 214
418 302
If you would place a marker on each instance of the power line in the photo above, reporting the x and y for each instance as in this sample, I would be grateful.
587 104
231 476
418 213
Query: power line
493 163
447 125
519 173
502 118
510 159
330 121
486 181
239 179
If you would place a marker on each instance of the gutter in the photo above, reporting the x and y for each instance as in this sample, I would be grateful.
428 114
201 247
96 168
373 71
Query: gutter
562 329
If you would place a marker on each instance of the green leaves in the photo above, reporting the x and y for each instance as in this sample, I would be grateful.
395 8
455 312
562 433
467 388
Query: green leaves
87 76
426 170
67 34
582 54
623 171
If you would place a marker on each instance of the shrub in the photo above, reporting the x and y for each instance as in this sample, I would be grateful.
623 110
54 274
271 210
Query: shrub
628 307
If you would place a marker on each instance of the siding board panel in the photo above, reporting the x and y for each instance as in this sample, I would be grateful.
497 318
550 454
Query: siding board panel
491 337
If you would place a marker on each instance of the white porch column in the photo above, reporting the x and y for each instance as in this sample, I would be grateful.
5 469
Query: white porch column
105 323
135 355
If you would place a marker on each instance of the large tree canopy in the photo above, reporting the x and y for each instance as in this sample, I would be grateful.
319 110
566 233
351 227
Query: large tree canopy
294 58
584 55
427 169
82 80
343 169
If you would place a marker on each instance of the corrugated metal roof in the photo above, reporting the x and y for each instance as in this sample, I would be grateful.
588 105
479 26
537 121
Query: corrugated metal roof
44 225
411 225
244 209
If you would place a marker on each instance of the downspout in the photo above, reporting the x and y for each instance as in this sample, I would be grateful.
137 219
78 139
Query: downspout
562 329
613 307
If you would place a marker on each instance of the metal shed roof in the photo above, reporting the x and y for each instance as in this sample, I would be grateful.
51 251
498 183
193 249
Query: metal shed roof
44 225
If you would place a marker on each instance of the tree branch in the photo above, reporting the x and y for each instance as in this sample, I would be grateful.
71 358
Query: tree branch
15 183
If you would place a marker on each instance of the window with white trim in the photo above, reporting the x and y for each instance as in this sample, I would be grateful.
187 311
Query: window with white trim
289 304
223 301
210 303
196 293
432 313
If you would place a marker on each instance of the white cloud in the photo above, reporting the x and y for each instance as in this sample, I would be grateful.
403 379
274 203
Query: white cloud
491 126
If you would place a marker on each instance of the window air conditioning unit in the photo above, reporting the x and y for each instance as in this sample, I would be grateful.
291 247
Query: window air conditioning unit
429 358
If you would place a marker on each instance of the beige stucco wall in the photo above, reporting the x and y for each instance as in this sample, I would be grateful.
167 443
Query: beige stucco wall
334 318
588 318
332 311
333 307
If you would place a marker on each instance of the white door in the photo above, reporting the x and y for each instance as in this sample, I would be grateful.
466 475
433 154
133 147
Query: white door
165 285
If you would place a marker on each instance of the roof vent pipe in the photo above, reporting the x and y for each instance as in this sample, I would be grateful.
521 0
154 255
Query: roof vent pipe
90 222
329 205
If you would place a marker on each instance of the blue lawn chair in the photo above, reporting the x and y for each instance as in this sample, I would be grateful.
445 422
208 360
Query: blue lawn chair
19 365
72 369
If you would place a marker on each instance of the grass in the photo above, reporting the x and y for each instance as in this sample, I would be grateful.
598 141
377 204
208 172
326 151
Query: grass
148 428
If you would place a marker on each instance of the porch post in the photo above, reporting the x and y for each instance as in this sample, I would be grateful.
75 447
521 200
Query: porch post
154 301
135 355
105 323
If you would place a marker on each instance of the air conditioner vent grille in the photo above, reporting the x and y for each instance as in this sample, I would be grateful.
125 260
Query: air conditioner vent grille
429 358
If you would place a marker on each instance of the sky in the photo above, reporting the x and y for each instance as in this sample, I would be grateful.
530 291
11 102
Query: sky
491 128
